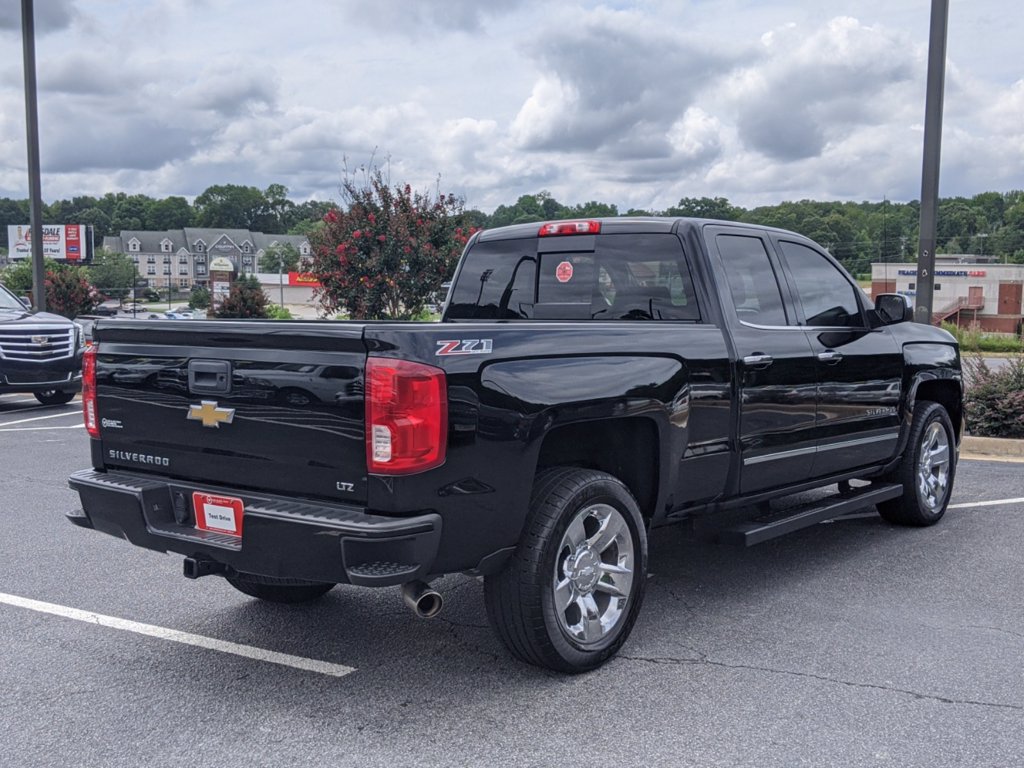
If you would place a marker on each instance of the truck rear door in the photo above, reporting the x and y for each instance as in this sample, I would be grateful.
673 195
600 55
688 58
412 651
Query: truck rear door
774 368
274 407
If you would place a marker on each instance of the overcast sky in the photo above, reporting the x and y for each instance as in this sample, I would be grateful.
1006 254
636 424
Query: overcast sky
633 102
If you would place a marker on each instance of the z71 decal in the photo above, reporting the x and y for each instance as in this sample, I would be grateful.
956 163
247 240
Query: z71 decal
465 347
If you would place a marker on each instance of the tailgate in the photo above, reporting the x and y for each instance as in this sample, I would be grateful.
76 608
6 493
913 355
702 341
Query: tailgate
274 407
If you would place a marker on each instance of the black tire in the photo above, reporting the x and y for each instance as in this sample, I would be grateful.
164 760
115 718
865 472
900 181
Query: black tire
521 599
54 397
927 480
278 590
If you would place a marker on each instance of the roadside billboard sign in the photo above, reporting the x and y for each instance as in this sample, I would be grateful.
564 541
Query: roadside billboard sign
61 242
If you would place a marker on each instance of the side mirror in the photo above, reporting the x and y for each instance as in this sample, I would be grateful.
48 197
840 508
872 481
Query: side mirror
26 301
893 308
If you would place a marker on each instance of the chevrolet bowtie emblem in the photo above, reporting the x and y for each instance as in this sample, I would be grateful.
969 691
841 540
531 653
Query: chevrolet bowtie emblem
208 413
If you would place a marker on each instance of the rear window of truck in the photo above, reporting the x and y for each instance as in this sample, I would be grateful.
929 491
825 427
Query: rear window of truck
625 277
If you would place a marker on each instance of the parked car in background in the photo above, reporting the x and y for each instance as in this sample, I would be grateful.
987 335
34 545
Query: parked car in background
107 308
40 352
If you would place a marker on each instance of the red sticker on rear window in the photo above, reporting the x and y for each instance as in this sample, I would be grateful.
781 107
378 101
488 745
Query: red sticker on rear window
563 272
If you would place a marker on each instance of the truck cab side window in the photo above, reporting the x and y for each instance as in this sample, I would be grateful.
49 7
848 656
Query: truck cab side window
751 278
824 291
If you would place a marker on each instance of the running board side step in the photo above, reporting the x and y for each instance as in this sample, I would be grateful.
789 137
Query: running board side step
762 529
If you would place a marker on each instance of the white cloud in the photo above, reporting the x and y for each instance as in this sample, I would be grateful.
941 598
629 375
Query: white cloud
638 105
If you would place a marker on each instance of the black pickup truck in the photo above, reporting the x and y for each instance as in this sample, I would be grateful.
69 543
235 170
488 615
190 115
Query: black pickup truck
40 352
589 382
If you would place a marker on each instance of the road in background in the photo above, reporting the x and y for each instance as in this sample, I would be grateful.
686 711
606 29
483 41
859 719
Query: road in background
852 643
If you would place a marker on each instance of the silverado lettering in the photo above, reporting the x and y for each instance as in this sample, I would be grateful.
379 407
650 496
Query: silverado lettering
589 382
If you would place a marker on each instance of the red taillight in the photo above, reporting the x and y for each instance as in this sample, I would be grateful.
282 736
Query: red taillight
570 228
406 416
92 423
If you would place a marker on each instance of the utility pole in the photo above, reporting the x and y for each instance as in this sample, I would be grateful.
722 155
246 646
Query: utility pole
930 166
28 40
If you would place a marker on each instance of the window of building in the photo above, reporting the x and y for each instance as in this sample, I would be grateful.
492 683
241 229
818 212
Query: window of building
183 259
304 250
135 259
247 259
200 258
200 269
937 286
150 259
165 246
826 294
912 287
246 248
183 283
167 259
167 270
150 270
200 246
133 245
183 269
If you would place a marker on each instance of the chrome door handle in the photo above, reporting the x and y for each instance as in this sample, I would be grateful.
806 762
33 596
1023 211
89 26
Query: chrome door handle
831 357
758 361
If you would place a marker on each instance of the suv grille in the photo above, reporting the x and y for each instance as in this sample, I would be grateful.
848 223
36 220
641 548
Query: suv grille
36 344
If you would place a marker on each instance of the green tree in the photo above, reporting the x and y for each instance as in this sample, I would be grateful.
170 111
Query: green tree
96 218
69 292
113 274
706 208
388 252
231 206
170 213
246 300
279 208
12 212
283 256
18 276
130 212
199 298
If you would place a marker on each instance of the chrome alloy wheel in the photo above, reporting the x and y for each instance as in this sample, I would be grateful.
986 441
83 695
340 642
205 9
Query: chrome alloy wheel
933 466
593 574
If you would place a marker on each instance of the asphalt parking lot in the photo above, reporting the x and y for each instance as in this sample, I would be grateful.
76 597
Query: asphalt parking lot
852 643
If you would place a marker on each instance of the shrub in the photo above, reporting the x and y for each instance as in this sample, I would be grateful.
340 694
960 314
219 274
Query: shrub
388 252
995 399
975 340
246 300
276 312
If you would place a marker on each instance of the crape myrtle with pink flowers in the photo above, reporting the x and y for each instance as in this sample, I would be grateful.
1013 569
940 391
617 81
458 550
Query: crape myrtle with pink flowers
388 253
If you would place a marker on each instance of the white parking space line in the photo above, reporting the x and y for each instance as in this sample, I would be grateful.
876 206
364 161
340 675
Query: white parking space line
40 429
162 633
996 503
73 412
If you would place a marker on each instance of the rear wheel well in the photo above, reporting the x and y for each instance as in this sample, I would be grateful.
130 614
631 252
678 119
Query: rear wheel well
624 448
947 394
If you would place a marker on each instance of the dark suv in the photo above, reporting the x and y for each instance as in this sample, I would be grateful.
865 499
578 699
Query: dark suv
40 352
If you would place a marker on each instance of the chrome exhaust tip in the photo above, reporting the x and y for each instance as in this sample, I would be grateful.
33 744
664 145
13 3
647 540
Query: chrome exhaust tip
424 601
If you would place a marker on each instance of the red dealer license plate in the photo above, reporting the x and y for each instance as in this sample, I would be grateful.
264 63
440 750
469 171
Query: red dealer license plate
219 514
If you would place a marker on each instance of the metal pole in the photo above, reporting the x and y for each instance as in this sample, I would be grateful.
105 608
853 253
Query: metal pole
28 38
930 166
280 276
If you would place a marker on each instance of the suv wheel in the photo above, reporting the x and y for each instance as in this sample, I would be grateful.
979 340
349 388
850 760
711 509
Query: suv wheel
54 397
571 593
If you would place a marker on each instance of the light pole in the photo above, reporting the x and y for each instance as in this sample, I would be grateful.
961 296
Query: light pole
280 276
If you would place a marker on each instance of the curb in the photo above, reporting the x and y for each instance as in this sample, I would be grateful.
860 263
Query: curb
992 446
